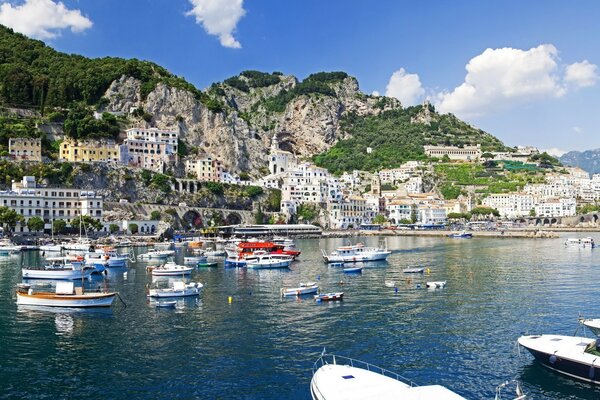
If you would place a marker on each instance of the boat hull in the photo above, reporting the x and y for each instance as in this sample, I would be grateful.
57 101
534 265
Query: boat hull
56 274
382 256
269 265
171 273
72 301
175 293
300 291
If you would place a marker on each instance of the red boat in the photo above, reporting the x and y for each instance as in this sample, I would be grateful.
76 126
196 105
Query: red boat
246 249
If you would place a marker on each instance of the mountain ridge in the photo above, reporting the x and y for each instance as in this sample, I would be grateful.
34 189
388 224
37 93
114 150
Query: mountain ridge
588 160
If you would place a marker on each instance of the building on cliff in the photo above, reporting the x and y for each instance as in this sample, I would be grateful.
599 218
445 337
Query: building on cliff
25 149
104 150
280 160
50 203
466 153
149 148
205 169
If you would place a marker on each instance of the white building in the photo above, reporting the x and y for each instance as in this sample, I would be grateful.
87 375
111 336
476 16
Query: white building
149 148
50 203
350 213
556 208
428 214
279 160
466 153
398 210
511 205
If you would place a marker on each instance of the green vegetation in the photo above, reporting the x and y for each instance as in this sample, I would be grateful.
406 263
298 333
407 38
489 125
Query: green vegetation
133 228
450 192
55 172
113 228
485 211
588 208
88 223
155 215
386 187
35 224
307 212
215 188
379 219
81 124
59 226
253 191
459 216
259 216
161 182
546 160
9 219
274 200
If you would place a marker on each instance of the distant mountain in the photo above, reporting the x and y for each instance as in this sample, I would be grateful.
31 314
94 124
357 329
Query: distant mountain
588 160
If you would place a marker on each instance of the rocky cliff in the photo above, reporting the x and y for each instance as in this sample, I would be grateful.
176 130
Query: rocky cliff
239 131
588 160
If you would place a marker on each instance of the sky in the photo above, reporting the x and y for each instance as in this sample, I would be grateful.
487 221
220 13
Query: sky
524 71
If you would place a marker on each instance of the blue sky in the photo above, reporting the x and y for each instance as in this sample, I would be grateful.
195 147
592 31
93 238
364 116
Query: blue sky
537 84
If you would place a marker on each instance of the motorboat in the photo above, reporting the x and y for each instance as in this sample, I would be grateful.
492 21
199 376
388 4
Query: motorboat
592 324
353 270
170 269
249 248
108 257
235 262
7 248
82 245
65 295
61 268
390 283
341 378
329 296
302 289
156 255
194 259
415 270
436 284
584 243
356 253
460 235
51 248
576 357
179 289
163 245
215 253
336 264
269 261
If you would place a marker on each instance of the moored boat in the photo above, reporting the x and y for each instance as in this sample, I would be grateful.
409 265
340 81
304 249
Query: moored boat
416 270
156 255
576 357
64 296
592 324
341 378
460 235
264 261
329 296
62 268
247 249
353 270
206 264
194 260
166 304
356 253
584 243
170 269
302 289
179 289
436 284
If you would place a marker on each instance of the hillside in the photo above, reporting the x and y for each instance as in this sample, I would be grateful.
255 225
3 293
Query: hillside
588 160
232 121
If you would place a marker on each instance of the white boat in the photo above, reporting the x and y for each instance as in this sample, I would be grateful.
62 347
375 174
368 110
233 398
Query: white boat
170 269
215 253
61 269
156 255
576 357
390 283
416 270
163 245
166 304
584 243
353 270
56 248
302 289
64 296
179 289
194 260
77 246
436 284
108 257
356 253
340 378
592 324
269 261
9 249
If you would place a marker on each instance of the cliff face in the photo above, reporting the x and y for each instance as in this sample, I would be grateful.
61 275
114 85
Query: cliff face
241 133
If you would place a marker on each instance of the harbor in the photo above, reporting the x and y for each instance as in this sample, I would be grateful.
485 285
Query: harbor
238 337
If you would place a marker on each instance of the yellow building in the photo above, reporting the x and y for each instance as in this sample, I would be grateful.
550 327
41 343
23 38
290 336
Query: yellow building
89 151
25 149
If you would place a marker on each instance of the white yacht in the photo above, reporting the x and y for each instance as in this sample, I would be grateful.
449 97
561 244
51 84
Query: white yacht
584 243
179 289
356 253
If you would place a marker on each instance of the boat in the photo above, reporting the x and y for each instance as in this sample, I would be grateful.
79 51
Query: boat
170 269
65 295
460 235
336 264
329 296
353 270
207 264
356 253
341 378
390 283
107 256
194 260
436 284
246 249
7 248
592 324
235 262
166 304
156 255
61 268
576 357
584 243
163 245
179 289
417 270
83 245
269 261
215 253
51 248
302 289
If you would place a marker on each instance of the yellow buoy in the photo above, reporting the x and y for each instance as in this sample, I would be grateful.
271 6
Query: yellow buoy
428 270
229 299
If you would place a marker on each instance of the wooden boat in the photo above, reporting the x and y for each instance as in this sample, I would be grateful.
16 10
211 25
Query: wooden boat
341 378
179 289
353 270
302 289
329 296
418 270
170 269
207 264
166 304
436 285
356 253
576 357
64 296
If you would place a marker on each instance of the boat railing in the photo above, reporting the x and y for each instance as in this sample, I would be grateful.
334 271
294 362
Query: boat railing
326 359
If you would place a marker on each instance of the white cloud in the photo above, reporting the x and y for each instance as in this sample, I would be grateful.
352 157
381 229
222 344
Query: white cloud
405 87
581 74
554 151
576 129
498 78
219 18
375 93
42 19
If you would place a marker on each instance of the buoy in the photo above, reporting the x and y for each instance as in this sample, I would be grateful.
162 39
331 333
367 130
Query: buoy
552 359
418 286
318 277
395 290
229 299
428 270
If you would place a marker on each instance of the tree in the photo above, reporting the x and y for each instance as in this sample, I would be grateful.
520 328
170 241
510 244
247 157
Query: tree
133 228
35 224
9 218
88 223
113 228
155 215
259 217
532 212
379 219
59 226
487 155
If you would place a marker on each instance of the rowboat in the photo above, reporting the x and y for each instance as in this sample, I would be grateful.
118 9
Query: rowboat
302 289
353 270
413 270
170 269
64 296
194 260
179 289
329 296
166 304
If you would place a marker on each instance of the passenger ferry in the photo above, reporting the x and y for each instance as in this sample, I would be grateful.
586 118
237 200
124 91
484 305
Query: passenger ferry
585 243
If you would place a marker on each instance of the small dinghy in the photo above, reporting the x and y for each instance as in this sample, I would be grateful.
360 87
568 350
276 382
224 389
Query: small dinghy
353 270
436 285
302 289
179 289
170 269
166 304
207 264
417 270
390 283
193 260
329 296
